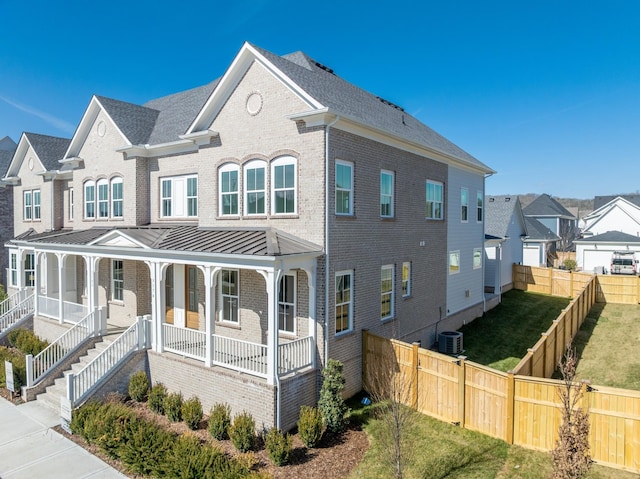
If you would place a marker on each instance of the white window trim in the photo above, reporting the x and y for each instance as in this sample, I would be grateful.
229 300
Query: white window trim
350 302
451 254
228 168
13 269
27 205
407 281
86 202
100 184
173 200
117 180
349 165
71 204
222 295
479 206
391 196
254 165
391 293
293 305
463 204
284 161
37 206
441 202
114 281
191 197
478 251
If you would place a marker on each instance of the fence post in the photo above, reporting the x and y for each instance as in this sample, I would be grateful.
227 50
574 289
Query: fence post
511 403
70 387
544 354
29 367
461 388
571 284
140 331
414 375
551 281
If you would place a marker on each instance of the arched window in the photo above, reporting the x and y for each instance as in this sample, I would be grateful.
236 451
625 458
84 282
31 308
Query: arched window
283 185
255 193
229 189
103 198
116 197
90 199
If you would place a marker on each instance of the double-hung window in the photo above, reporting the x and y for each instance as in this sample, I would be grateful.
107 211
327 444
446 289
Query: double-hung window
344 301
117 280
90 200
116 198
229 295
464 205
344 188
386 292
255 188
406 279
103 199
454 262
36 204
283 185
29 269
434 200
287 304
179 197
386 194
229 190
28 205
13 268
480 206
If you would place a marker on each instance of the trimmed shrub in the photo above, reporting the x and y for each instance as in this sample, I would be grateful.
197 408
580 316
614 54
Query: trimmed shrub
279 446
173 407
192 412
26 341
310 426
219 421
242 432
139 386
157 396
570 264
331 403
19 367
145 447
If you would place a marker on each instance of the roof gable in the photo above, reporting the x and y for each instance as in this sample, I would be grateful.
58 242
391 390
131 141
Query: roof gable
536 231
48 151
545 205
500 211
599 201
117 238
611 237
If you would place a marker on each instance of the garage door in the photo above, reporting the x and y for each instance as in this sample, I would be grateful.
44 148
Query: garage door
531 256
592 258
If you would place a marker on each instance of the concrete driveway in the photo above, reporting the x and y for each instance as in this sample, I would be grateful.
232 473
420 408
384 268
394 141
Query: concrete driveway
29 448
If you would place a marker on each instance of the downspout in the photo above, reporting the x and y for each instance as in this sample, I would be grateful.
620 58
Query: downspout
326 240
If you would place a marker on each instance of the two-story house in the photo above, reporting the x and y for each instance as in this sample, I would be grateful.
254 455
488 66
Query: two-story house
262 221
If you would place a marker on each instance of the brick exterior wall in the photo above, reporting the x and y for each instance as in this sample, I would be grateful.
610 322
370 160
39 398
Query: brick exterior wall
6 229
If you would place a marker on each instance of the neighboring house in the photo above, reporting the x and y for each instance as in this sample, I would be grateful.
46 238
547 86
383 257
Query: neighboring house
539 245
554 216
263 221
504 234
7 148
599 201
594 253
618 214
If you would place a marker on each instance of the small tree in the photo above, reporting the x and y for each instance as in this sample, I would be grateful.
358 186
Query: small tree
331 403
569 264
571 457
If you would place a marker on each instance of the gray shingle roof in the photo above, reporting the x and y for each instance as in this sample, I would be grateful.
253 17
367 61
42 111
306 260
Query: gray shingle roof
136 122
7 149
545 205
600 201
610 237
7 144
499 210
249 241
536 231
177 111
345 98
50 149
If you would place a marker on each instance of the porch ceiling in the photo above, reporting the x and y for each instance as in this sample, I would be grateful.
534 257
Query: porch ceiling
242 241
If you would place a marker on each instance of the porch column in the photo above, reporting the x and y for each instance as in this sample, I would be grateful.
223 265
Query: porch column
20 283
311 273
155 299
210 275
92 281
271 278
62 285
36 283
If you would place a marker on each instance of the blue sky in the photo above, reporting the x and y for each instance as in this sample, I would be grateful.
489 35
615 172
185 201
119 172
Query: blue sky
547 93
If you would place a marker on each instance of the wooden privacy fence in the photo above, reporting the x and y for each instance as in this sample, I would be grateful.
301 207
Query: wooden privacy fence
518 409
619 289
542 359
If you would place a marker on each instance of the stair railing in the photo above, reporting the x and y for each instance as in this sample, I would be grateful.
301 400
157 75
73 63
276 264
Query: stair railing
16 307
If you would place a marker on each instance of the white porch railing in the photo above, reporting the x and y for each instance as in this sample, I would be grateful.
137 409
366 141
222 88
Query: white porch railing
185 341
74 312
295 355
38 366
71 312
15 307
240 355
48 307
135 338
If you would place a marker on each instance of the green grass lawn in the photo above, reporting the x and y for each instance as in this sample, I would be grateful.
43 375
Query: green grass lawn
501 337
439 450
607 345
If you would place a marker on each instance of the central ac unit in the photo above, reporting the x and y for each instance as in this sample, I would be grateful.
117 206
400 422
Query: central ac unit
450 342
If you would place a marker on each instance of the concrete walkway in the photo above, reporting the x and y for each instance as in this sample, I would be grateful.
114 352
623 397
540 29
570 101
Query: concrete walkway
30 449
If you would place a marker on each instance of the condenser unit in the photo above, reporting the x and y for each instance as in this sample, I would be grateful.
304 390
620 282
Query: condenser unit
450 342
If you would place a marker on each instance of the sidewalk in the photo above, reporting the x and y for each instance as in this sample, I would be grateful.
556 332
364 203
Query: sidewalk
29 448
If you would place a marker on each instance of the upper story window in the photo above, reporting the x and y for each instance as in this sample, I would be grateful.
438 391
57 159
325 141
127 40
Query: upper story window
434 200
31 202
283 185
344 301
255 188
406 279
116 197
90 199
229 189
386 194
103 198
480 206
464 205
287 304
386 289
179 197
344 188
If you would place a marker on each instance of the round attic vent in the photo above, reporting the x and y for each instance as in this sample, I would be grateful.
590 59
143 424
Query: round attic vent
101 128
254 103
30 163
